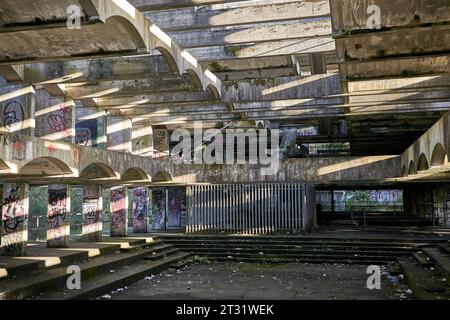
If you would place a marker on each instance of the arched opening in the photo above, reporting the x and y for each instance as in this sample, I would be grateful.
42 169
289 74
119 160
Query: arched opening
169 59
162 176
45 166
213 92
135 35
195 78
423 163
404 171
438 156
412 168
135 175
98 171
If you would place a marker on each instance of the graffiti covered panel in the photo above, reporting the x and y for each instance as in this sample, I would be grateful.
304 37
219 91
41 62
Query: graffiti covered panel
119 208
14 219
140 210
159 208
58 216
176 206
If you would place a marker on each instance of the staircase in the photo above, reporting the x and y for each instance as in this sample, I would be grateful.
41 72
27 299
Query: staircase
285 249
126 264
371 219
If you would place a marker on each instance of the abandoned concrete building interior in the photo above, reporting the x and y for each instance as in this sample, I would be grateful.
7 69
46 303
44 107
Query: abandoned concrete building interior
344 103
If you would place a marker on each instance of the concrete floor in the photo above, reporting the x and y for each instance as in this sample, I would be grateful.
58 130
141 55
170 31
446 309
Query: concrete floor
236 281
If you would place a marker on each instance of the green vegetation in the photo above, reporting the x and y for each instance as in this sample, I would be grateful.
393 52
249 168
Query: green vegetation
202 259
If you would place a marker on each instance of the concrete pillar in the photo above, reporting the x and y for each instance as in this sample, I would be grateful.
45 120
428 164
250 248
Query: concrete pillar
15 208
118 130
119 212
54 117
142 140
91 229
140 209
17 105
58 215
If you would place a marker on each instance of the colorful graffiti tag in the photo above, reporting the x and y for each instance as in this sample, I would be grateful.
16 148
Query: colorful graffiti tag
159 208
140 210
118 212
14 218
58 216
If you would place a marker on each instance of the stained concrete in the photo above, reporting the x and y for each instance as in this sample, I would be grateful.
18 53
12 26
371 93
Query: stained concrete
243 281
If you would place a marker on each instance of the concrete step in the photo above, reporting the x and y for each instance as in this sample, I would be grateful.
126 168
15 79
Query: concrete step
425 283
42 258
143 245
39 282
441 260
298 260
302 239
294 242
104 284
280 252
155 256
222 246
319 258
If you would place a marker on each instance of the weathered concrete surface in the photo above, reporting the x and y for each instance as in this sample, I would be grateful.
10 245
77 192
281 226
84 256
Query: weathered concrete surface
429 154
351 15
262 282
34 158
112 28
237 13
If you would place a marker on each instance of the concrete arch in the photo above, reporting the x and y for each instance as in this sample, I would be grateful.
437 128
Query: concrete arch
438 156
195 79
135 175
154 38
130 27
404 171
213 92
422 163
162 176
45 166
98 171
169 59
412 168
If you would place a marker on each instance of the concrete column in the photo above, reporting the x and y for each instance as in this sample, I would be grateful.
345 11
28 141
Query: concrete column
91 229
142 140
140 209
54 117
15 208
119 212
17 109
58 214
118 130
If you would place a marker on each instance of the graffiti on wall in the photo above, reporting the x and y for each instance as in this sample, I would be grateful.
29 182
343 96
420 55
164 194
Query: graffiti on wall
12 114
161 143
60 120
17 146
176 206
86 133
140 210
57 213
92 216
141 144
14 216
159 208
118 211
